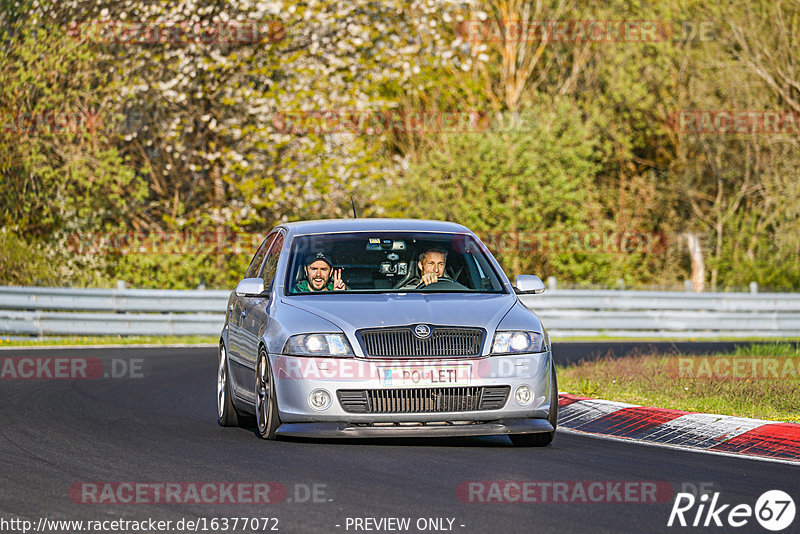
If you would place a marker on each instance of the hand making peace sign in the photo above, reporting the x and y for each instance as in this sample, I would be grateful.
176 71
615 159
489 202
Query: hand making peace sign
338 283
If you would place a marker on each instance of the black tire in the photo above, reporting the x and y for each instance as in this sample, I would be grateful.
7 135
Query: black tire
267 419
226 412
542 439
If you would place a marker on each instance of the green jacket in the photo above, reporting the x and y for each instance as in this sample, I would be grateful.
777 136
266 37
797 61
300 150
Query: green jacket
303 287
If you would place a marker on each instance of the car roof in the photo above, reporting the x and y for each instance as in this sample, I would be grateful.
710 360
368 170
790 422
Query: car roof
372 225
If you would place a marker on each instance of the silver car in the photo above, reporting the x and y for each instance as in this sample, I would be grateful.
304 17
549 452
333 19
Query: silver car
384 328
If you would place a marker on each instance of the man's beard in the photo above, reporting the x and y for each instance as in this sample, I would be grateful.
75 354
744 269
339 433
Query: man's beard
318 284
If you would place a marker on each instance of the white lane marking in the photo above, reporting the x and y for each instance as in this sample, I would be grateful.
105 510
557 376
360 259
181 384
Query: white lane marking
678 447
702 430
585 411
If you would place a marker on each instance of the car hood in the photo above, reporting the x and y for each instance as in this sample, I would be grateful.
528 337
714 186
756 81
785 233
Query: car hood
353 312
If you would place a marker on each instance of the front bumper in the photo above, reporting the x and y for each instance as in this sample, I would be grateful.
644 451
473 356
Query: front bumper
346 430
297 377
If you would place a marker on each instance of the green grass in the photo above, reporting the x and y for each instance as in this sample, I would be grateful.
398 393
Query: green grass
670 339
108 340
656 380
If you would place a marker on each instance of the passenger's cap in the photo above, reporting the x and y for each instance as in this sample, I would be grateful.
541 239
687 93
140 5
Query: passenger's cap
319 256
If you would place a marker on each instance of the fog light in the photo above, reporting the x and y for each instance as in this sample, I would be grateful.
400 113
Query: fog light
523 395
319 399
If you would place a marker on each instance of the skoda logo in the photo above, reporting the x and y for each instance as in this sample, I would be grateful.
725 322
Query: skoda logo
422 331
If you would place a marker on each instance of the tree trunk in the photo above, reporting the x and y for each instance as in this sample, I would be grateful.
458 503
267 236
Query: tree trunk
717 255
219 199
698 267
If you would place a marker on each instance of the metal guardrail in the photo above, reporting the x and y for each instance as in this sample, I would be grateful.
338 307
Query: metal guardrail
44 311
113 300
627 313
566 313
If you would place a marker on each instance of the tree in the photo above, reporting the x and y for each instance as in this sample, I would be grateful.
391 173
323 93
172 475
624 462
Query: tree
60 173
522 189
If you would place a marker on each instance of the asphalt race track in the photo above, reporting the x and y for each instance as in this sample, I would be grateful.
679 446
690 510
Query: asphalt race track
157 424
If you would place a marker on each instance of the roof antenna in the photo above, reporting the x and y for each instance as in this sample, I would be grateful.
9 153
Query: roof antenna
352 203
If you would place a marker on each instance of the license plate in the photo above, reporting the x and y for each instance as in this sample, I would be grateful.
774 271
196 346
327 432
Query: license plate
425 376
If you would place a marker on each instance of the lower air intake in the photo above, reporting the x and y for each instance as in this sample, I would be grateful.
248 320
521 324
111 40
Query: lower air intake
423 400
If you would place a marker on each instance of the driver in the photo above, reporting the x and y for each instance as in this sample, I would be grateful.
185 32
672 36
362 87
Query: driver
431 266
320 275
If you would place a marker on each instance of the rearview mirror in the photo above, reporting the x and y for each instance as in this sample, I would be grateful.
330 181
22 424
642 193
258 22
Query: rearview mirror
250 287
527 283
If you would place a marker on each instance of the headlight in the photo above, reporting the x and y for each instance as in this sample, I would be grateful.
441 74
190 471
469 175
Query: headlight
318 345
518 342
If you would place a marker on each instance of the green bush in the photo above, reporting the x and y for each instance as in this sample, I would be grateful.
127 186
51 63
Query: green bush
23 263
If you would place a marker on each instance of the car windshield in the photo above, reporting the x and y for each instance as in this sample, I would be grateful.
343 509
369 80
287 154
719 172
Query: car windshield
390 262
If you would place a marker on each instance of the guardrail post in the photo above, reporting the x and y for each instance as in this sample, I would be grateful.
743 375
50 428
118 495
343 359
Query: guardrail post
120 284
551 283
687 285
753 287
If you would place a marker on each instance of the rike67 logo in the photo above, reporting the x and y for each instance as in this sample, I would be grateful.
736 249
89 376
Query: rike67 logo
774 510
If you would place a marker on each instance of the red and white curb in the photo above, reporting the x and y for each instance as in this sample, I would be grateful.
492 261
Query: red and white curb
708 432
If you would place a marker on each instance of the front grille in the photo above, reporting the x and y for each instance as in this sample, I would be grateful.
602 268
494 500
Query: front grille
494 398
354 400
423 400
401 341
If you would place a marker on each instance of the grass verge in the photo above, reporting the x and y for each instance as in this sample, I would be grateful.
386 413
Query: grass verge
759 381
107 340
646 339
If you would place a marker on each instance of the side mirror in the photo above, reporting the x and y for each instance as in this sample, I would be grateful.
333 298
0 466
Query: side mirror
250 287
527 283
